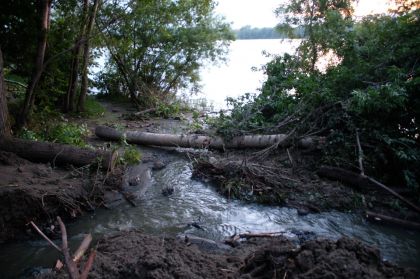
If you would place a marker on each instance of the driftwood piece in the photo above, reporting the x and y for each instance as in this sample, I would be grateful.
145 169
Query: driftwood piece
201 141
359 182
71 263
82 248
45 237
60 154
141 113
380 218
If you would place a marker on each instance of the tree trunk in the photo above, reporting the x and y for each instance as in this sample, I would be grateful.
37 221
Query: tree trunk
71 91
39 62
59 154
4 112
199 141
85 61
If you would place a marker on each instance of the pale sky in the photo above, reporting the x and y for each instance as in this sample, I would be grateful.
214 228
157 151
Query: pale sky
261 13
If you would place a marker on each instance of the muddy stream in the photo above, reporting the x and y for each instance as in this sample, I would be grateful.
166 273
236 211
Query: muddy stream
196 208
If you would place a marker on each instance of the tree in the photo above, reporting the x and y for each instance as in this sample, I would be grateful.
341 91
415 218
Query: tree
325 23
4 112
39 62
372 91
157 47
71 91
85 60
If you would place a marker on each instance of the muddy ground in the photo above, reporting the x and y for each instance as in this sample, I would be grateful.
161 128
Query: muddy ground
136 255
40 192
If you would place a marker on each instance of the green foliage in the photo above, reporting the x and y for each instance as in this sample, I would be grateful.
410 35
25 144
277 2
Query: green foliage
61 132
168 110
131 155
93 108
68 133
163 47
373 89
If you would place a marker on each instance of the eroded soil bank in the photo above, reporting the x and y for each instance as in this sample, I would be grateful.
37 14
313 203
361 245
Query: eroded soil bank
133 254
290 179
40 192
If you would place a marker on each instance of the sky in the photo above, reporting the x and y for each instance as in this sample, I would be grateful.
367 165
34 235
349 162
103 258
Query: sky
261 13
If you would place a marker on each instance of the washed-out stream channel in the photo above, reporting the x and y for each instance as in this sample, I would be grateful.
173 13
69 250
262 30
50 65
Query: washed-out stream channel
196 208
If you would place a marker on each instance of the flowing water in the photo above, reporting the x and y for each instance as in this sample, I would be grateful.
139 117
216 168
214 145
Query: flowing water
197 202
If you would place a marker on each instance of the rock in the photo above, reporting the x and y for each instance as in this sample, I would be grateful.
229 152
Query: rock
212 160
134 181
167 191
158 165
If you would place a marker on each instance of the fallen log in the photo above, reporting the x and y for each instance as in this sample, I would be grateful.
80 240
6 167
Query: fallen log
60 154
201 141
380 218
360 181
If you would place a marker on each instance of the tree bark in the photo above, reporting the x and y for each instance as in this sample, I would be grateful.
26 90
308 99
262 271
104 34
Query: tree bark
39 62
59 154
199 141
71 91
4 112
85 59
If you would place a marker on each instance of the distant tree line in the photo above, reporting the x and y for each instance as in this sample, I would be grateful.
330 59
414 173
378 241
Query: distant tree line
248 32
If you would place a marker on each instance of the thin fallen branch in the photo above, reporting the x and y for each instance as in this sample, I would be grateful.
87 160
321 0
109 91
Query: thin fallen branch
376 217
70 264
82 248
360 151
88 265
140 113
379 184
45 237
360 181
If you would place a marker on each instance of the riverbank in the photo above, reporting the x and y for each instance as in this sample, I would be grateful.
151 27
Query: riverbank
135 254
39 192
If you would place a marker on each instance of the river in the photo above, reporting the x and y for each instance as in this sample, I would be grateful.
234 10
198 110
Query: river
236 76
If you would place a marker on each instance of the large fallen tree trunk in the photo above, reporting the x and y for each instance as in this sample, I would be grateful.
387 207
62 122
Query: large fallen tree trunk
201 141
59 154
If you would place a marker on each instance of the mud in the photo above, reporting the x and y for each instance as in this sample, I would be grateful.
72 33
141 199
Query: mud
136 255
40 192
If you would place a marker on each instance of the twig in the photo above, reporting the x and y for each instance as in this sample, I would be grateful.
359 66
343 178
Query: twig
88 265
82 248
71 266
45 237
379 184
360 151
292 162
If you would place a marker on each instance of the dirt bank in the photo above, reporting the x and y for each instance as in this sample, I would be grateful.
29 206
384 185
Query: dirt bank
40 192
277 180
136 255
273 182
